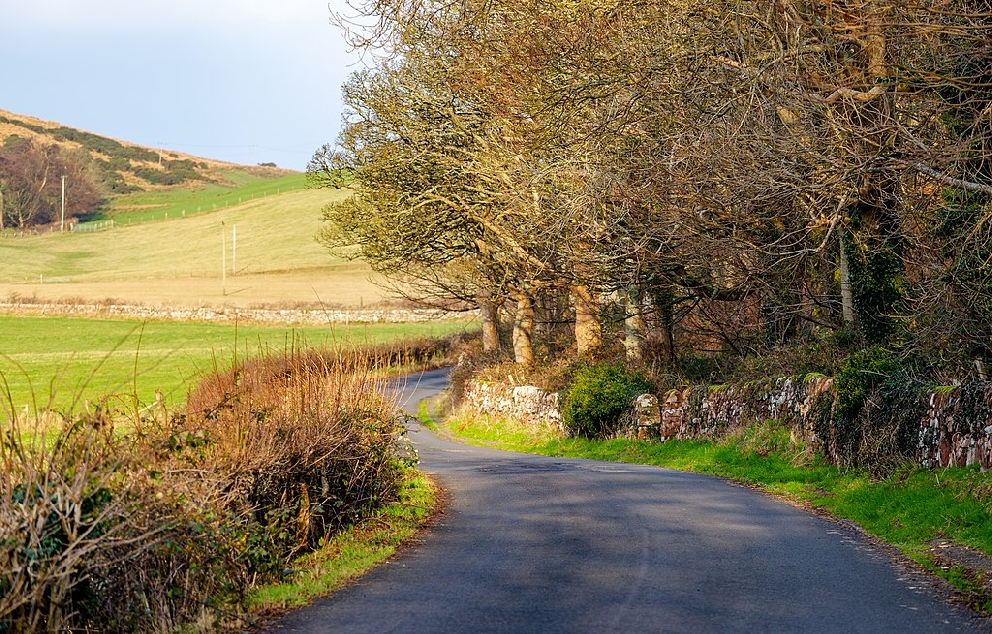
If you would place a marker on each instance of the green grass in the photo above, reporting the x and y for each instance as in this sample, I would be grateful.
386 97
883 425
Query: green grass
274 234
425 418
350 553
261 252
909 509
73 359
182 202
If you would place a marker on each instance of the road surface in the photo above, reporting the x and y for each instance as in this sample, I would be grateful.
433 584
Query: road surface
536 544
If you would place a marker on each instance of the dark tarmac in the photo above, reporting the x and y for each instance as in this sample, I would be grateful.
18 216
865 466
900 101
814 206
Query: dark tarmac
537 544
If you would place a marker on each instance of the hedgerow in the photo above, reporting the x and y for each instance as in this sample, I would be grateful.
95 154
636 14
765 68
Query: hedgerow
150 521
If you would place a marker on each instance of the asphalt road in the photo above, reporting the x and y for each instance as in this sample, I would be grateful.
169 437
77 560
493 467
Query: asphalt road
534 544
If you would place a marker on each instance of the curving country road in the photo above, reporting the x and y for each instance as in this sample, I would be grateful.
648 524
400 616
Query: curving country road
536 544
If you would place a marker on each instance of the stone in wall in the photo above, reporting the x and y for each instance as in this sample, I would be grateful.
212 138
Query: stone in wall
648 417
673 414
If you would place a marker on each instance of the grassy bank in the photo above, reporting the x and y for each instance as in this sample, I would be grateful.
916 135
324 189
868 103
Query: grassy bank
351 553
915 510
67 359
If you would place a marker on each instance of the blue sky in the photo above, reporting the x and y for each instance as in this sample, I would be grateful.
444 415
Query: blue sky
246 81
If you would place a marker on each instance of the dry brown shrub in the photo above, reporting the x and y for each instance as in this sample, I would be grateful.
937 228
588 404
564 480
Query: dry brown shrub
150 522
69 509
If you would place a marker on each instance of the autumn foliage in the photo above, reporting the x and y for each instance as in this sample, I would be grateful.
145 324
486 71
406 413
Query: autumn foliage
679 180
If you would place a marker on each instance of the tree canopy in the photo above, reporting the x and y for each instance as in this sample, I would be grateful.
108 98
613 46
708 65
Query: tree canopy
731 175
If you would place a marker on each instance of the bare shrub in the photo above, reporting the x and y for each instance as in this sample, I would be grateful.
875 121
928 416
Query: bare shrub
122 523
69 508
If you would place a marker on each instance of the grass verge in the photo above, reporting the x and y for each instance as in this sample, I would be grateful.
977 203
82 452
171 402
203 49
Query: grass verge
423 415
351 553
920 512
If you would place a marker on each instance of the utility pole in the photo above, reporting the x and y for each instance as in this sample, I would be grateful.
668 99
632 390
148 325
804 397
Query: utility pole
234 250
223 259
62 224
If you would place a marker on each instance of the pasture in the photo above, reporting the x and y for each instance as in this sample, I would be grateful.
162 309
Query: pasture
259 253
64 362
262 252
164 204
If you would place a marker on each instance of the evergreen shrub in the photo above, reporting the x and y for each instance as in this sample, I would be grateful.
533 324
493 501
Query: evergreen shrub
599 398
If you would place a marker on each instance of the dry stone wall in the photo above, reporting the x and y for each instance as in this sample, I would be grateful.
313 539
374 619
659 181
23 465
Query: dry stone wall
955 428
315 316
520 402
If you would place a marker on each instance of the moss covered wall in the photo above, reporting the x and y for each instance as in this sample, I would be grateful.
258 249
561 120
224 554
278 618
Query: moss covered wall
951 426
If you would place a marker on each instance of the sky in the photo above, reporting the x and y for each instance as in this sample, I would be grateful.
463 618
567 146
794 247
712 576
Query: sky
245 81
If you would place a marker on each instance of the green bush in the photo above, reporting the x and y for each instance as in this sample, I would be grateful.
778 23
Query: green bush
859 375
878 411
600 396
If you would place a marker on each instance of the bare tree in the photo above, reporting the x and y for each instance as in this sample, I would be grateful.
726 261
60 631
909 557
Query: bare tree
32 175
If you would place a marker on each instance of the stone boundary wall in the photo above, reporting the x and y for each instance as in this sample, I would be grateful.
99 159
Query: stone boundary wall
521 402
709 412
314 316
954 429
955 423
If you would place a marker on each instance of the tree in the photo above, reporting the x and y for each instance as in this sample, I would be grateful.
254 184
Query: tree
431 171
31 177
739 173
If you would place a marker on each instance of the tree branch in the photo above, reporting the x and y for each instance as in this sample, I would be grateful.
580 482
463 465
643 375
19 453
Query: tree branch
950 180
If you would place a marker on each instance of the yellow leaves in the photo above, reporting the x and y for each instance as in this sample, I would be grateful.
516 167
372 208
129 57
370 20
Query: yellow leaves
788 116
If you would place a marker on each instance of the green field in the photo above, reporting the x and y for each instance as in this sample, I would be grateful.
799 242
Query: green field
274 234
259 253
262 252
72 359
179 203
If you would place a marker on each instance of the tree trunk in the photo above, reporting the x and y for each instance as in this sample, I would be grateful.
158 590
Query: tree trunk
489 312
846 296
588 330
523 329
665 331
635 326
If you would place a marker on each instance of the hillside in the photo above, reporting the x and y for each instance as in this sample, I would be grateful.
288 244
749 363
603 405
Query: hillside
120 167
261 252
179 231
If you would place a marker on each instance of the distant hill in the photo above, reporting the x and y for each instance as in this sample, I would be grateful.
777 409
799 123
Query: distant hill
120 167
